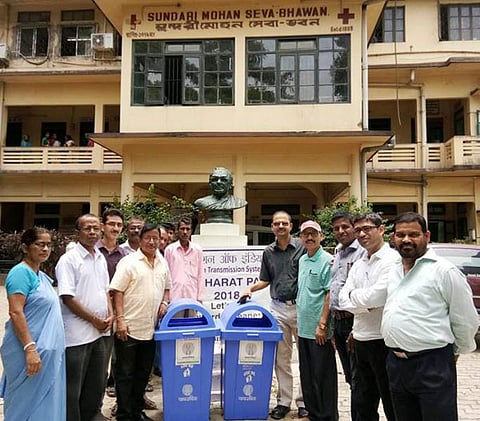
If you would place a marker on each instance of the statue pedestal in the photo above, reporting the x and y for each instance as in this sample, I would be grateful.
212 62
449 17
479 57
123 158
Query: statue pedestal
219 234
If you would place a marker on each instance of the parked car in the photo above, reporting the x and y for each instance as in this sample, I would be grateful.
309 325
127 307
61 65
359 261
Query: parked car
467 258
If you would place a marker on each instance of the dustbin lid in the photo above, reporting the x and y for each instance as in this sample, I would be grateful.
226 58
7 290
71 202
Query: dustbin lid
171 327
232 321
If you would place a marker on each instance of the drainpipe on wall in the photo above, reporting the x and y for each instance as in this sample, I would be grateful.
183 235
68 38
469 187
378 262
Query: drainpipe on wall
365 61
364 68
3 116
389 144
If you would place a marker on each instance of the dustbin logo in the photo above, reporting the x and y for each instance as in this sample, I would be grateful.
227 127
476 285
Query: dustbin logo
248 390
187 389
250 352
251 349
188 348
249 375
187 351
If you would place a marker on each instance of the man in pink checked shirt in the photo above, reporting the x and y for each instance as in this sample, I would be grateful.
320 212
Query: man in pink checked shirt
185 260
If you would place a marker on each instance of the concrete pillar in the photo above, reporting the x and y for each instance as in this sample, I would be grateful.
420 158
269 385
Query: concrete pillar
240 191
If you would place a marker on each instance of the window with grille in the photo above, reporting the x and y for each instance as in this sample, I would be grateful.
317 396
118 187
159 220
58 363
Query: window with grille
76 30
183 72
298 70
460 22
33 34
391 26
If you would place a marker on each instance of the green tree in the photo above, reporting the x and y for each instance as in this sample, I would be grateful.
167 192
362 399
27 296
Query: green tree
151 211
324 217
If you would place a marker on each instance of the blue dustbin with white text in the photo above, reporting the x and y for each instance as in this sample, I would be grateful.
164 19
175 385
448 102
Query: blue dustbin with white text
250 334
186 345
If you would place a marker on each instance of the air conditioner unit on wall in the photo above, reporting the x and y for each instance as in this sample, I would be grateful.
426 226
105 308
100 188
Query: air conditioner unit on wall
102 42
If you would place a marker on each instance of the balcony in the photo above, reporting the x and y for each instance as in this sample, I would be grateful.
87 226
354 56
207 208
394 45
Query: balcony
458 152
61 159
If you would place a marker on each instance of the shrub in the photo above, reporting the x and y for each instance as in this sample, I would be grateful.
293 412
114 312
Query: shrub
324 217
151 211
10 248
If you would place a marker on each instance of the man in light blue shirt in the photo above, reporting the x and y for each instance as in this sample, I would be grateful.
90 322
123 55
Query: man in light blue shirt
348 251
429 318
318 370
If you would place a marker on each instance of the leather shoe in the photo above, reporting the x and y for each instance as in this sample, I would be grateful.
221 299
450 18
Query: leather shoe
302 413
145 417
279 412
148 403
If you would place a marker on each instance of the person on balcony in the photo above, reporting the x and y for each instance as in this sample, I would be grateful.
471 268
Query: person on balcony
25 141
46 139
69 142
55 141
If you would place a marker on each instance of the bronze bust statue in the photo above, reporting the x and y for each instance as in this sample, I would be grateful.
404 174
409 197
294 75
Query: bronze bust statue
220 204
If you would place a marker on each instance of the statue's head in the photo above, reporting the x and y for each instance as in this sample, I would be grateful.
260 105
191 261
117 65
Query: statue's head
220 181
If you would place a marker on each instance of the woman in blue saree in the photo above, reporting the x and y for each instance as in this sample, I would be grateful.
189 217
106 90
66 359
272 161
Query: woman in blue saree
33 349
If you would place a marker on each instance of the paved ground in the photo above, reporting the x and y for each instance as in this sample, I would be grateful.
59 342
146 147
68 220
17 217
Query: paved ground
468 386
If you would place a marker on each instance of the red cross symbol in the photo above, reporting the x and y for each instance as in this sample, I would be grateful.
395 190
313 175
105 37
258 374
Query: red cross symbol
134 22
346 16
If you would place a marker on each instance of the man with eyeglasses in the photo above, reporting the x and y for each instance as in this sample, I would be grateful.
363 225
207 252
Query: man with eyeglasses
364 295
428 320
134 228
279 270
318 368
141 292
112 226
87 313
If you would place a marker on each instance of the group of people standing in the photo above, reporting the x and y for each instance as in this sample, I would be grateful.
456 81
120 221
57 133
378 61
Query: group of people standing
110 296
398 315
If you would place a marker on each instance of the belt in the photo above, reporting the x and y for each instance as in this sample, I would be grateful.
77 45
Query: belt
405 355
339 314
287 302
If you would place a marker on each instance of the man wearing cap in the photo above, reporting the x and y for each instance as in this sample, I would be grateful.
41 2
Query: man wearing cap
364 294
318 368
279 270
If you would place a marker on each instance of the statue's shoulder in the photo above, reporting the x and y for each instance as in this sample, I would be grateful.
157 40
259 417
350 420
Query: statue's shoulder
239 203
202 202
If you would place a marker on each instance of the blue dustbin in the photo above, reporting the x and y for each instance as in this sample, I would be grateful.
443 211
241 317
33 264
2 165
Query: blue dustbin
250 334
187 361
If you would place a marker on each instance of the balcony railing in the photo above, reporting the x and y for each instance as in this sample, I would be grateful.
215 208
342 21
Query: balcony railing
456 152
59 158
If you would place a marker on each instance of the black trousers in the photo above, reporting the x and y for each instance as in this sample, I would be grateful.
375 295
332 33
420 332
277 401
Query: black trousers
318 377
372 380
132 370
342 329
424 387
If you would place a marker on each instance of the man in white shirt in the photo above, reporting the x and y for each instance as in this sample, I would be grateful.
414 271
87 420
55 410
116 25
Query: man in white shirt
134 226
83 279
429 318
364 294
